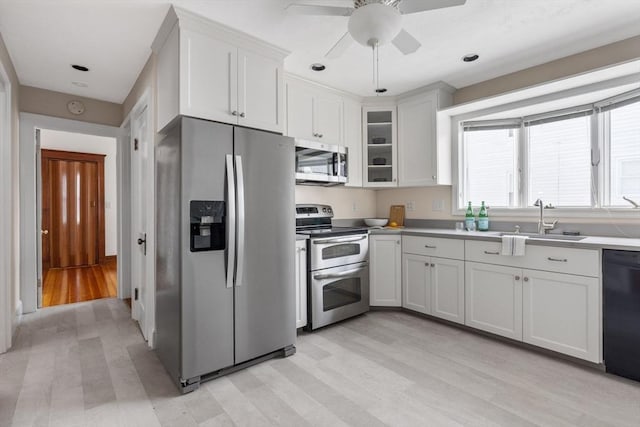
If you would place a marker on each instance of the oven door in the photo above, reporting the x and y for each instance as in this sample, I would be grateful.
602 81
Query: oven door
336 251
339 293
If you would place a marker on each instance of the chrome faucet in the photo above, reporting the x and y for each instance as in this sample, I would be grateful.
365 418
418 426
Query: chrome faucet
543 226
633 202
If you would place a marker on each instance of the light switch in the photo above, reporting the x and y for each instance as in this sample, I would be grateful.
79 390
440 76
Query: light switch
437 205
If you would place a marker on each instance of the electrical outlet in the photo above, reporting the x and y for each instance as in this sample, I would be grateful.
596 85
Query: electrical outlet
437 205
411 206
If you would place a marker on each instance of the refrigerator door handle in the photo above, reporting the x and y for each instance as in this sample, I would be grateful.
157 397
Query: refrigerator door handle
241 221
231 221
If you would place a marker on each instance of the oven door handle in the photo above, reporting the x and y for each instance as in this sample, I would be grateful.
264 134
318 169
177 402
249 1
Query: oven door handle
323 241
338 275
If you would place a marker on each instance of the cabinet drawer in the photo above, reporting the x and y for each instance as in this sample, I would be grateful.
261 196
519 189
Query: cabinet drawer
489 252
433 246
584 262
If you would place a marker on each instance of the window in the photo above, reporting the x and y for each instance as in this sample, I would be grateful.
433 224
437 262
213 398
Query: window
583 157
560 162
490 167
624 149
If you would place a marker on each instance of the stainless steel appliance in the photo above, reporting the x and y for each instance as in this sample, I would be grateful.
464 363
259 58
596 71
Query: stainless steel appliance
621 312
338 260
320 164
225 294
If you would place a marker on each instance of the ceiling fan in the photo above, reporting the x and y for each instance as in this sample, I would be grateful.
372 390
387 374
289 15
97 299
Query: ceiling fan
374 22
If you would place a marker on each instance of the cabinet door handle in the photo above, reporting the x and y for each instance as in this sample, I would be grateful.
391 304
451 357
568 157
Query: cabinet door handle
517 277
491 253
234 113
433 265
426 264
242 114
526 279
557 259
429 247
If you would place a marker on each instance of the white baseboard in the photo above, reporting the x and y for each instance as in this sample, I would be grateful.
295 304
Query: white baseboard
17 316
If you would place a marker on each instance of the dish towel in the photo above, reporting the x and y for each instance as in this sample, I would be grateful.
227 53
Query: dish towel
513 245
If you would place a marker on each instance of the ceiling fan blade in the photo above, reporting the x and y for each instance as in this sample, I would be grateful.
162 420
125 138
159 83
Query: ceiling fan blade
406 43
340 47
414 6
310 9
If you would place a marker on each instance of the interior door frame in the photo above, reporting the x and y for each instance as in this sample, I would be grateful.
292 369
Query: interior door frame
144 105
29 195
85 157
7 219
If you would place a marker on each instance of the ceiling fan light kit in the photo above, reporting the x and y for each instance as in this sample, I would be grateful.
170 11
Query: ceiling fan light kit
375 24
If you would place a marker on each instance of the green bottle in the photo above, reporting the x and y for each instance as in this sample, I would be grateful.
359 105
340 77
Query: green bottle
469 218
483 218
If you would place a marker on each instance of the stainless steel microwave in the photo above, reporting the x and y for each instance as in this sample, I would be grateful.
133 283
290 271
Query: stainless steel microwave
318 163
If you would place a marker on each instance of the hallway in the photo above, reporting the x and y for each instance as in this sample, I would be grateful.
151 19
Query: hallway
77 284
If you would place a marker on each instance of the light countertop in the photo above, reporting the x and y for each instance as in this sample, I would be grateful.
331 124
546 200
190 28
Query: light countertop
589 242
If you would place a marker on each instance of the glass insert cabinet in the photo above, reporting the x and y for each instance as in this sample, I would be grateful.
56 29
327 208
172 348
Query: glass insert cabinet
380 146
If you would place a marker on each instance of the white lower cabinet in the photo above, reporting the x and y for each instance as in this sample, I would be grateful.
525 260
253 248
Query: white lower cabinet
416 283
493 299
561 312
447 289
301 283
385 270
434 286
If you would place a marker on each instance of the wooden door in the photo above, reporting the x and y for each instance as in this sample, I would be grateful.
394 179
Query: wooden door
72 209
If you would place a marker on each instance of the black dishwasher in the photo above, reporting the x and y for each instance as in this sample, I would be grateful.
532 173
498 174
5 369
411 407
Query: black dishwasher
621 283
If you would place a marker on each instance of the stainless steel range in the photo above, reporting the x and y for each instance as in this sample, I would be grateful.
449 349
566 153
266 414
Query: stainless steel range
338 260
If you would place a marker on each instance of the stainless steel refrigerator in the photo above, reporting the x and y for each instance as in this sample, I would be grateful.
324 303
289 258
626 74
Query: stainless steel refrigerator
225 228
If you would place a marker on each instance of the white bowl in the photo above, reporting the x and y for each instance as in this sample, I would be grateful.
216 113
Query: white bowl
376 222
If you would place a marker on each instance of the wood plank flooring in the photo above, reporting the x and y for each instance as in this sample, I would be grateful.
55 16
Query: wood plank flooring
77 284
87 364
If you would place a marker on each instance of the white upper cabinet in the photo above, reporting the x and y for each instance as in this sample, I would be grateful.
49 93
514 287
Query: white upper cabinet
353 141
259 91
379 147
424 156
210 71
313 114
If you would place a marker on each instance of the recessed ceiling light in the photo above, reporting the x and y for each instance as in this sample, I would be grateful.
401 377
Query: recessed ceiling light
381 90
79 67
470 57
80 84
317 67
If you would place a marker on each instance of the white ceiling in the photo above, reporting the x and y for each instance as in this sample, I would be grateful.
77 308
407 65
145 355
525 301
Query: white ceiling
113 38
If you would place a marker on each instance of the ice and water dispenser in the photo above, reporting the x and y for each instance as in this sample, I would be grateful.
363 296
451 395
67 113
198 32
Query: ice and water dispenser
207 225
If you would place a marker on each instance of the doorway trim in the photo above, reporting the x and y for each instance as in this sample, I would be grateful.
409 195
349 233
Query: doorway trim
28 194
144 105
7 183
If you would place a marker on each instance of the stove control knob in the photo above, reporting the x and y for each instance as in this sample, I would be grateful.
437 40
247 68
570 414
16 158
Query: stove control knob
324 210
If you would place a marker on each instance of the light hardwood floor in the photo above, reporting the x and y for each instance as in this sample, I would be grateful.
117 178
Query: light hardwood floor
86 364
77 284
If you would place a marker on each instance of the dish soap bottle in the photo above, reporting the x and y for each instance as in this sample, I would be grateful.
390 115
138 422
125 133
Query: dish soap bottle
469 218
483 218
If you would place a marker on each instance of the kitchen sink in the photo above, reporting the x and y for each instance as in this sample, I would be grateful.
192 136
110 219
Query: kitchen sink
547 236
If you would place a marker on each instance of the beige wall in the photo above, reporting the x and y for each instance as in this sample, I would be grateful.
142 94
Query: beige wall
342 200
601 57
146 79
14 221
423 199
54 104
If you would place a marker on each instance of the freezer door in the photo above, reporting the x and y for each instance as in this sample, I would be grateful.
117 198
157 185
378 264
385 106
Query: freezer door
264 287
207 302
